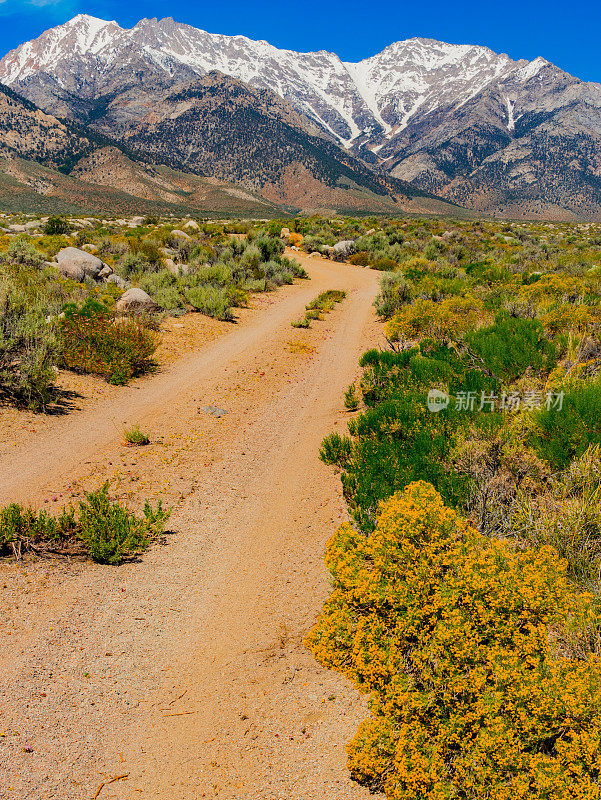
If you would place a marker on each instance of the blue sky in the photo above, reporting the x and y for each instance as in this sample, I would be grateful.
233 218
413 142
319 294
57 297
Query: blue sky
565 33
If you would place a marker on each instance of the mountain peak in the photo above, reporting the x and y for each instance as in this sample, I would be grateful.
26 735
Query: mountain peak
89 20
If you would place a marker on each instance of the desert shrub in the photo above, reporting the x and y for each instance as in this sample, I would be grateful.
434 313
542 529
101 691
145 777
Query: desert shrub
326 300
147 249
293 266
251 257
360 259
396 439
351 398
567 516
114 248
94 342
103 529
210 300
384 264
135 437
111 532
447 321
255 285
580 319
24 529
29 349
217 274
131 264
395 292
564 430
22 251
56 226
164 288
454 638
511 345
271 247
322 304
169 298
276 274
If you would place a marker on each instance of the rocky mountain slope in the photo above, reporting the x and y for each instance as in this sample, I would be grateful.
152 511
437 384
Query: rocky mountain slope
109 182
215 145
498 135
219 126
31 133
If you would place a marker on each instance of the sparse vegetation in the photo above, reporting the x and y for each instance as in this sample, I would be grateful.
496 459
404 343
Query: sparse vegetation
102 529
322 304
49 320
135 437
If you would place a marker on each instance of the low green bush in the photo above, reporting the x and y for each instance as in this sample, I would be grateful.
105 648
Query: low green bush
322 304
395 292
29 350
566 429
397 439
56 226
101 528
210 300
511 345
22 251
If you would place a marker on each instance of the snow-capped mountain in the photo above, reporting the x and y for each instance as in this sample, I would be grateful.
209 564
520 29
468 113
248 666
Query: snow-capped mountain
379 95
460 121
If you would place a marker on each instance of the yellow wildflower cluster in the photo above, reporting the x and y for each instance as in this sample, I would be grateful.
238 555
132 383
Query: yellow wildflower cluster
455 636
446 321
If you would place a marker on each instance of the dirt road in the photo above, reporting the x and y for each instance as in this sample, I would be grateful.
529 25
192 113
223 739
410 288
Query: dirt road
184 676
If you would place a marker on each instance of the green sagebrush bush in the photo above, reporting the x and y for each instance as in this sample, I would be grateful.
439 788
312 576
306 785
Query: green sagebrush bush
105 530
559 434
464 648
511 345
22 251
214 301
396 439
395 292
94 342
29 348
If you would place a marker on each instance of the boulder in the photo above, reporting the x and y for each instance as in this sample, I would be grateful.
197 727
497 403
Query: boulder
192 225
343 249
104 273
117 280
179 234
17 228
285 233
171 266
138 220
135 301
73 256
74 272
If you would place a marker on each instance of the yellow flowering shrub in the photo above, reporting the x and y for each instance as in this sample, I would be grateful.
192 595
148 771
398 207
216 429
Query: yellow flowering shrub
446 321
457 640
580 319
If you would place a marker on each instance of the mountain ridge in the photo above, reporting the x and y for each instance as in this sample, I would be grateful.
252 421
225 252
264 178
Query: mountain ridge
458 121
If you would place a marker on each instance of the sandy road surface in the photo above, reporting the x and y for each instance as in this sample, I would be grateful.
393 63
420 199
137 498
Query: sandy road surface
185 673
